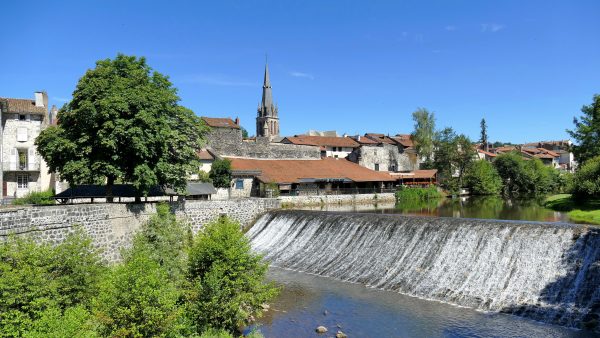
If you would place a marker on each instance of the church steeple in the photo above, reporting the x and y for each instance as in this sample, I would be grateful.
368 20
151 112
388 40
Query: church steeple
267 120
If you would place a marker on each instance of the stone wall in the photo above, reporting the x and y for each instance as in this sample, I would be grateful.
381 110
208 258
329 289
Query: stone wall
111 226
295 201
228 142
387 156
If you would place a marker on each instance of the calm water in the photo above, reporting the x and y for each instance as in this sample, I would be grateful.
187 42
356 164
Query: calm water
491 207
308 301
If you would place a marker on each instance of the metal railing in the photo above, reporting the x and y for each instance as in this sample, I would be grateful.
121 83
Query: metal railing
16 166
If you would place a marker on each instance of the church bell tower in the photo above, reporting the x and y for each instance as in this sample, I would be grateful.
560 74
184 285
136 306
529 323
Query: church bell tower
267 119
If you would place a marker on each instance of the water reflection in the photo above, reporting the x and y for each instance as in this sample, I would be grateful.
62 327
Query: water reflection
492 207
308 301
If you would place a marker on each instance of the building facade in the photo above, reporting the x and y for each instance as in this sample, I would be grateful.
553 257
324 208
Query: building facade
23 170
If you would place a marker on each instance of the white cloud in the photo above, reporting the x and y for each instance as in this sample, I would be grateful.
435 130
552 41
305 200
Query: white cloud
491 27
304 75
216 80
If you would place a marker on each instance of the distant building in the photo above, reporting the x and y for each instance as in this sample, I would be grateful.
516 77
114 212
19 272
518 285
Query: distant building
336 147
267 120
23 170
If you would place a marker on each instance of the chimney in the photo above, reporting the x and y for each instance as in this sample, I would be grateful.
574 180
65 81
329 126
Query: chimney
237 120
41 99
53 113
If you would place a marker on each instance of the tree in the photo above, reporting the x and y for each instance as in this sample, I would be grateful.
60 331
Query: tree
423 135
227 278
453 155
244 132
587 132
586 181
220 173
484 137
482 178
520 176
123 123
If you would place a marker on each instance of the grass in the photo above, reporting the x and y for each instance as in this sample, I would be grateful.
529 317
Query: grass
581 211
417 194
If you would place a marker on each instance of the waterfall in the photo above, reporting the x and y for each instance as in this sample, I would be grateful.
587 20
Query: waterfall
545 271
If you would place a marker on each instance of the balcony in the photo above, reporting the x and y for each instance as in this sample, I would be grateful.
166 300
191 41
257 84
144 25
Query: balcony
19 167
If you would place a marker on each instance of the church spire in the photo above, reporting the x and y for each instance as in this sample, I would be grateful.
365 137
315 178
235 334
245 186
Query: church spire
267 95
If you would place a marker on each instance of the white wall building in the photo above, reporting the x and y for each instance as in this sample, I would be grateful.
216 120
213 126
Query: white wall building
23 170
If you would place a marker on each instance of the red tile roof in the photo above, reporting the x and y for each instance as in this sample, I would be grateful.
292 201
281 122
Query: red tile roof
404 139
294 171
486 153
22 106
220 122
380 138
363 140
322 141
204 154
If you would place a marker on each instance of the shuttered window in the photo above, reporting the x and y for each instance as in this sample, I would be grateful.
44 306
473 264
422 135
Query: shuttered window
21 134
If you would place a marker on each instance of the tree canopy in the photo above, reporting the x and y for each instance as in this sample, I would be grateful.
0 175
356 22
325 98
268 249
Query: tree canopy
220 173
123 123
423 135
483 138
587 132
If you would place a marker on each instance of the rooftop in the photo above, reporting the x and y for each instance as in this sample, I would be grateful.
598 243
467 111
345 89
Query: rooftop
322 141
22 106
220 122
296 171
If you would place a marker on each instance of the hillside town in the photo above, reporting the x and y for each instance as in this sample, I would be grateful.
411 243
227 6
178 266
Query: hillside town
314 163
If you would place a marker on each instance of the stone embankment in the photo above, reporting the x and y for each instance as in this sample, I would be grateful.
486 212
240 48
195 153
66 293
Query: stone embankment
322 200
111 226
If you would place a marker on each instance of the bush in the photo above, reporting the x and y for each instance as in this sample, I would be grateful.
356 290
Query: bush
528 177
37 198
220 173
75 322
482 179
137 299
586 181
35 278
226 277
419 194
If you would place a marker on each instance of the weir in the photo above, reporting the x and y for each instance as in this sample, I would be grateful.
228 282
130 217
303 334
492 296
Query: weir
545 271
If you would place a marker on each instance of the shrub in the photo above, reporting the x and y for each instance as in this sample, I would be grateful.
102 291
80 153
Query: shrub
137 299
586 181
482 179
75 322
37 198
35 278
520 176
421 194
220 173
226 277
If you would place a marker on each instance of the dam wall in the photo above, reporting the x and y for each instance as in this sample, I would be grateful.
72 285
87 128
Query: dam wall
549 272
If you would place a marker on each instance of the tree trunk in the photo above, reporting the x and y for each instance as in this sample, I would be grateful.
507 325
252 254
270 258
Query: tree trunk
110 182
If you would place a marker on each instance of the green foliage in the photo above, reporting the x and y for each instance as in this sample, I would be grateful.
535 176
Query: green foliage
244 132
586 132
483 138
274 187
423 135
35 278
203 176
36 198
75 322
482 178
528 177
227 278
124 122
137 299
586 181
419 194
582 216
454 153
220 173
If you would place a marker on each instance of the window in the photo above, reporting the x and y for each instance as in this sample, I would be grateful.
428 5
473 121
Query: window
22 159
22 117
22 181
376 166
21 134
239 184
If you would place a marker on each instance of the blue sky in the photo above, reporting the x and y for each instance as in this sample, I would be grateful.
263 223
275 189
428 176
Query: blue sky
356 67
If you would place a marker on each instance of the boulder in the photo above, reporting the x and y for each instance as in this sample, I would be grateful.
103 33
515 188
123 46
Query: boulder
321 329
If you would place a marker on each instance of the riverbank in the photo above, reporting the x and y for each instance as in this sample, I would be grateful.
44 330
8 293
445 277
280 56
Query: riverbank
580 211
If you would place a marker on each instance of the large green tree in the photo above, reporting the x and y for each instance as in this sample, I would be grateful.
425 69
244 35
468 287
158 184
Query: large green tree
423 135
123 124
483 138
587 132
482 178
453 154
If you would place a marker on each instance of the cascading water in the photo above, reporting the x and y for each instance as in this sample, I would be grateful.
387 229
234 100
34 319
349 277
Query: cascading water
545 271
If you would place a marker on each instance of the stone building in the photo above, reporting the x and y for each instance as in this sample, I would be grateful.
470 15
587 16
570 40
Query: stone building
382 153
267 119
330 146
23 170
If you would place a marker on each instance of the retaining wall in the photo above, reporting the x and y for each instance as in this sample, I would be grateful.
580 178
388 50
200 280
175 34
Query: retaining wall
336 199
